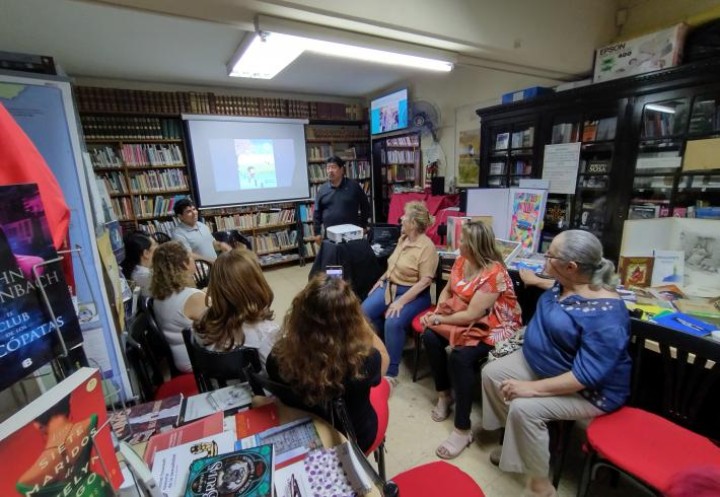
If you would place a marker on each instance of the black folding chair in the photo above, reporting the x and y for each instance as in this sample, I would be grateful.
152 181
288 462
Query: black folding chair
202 273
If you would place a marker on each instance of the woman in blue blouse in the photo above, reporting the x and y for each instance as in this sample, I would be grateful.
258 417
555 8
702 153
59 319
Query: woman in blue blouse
574 363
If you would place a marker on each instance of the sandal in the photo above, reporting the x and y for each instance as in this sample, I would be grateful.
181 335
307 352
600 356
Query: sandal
454 445
441 411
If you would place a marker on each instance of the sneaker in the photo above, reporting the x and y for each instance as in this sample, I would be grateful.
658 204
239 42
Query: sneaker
495 456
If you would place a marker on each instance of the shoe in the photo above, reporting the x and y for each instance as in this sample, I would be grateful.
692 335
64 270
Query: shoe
454 445
442 410
393 381
495 455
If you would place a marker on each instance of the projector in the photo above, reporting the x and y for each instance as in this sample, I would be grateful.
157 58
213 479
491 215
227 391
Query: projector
344 233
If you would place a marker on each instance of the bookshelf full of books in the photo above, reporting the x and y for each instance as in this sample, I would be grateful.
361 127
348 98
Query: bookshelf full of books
141 162
512 155
350 142
396 167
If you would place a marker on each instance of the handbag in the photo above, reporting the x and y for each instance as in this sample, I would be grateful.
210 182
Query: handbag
462 335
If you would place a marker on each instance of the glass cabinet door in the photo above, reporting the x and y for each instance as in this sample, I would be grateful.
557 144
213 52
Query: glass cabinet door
512 155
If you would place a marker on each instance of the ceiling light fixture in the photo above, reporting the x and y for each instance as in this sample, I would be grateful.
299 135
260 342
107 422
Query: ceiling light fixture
277 43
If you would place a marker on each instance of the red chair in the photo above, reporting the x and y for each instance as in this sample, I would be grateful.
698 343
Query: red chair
650 448
436 479
418 330
379 396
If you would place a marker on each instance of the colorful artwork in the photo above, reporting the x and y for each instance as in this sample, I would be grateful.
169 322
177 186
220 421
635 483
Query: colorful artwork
528 210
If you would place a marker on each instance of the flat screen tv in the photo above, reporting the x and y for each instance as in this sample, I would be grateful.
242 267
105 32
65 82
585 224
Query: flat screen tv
389 112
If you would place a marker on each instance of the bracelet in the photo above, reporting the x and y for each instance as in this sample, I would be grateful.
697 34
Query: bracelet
436 320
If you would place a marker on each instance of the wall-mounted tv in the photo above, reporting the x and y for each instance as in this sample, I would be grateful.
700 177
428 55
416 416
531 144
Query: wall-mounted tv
389 112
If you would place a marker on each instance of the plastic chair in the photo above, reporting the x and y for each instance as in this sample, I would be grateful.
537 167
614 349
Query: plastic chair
213 369
650 447
147 364
202 273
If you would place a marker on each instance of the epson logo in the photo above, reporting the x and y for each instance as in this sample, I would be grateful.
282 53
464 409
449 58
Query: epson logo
610 50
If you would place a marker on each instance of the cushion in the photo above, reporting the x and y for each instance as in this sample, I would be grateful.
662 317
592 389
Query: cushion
416 326
437 479
649 446
184 384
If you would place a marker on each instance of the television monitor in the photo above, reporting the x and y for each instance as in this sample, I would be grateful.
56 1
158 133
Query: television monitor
389 112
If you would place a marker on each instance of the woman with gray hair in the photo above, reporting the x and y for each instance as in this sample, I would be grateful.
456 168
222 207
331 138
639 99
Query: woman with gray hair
574 363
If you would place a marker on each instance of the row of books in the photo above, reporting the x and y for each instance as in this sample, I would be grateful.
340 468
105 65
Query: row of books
403 156
135 155
308 231
156 226
252 220
705 117
93 99
158 181
317 172
271 242
105 157
565 132
663 121
310 249
397 172
600 129
403 141
358 169
306 212
523 138
319 152
522 167
277 258
130 128
337 133
146 206
115 182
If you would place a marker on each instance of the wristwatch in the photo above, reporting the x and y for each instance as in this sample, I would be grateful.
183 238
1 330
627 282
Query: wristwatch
436 320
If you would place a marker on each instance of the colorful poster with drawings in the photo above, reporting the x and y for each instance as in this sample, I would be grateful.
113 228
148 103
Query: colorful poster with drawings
527 212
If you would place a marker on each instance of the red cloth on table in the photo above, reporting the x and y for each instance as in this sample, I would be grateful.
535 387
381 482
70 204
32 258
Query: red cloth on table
22 163
435 204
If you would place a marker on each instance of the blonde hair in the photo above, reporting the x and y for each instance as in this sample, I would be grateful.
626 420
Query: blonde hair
479 240
326 340
170 274
418 213
237 293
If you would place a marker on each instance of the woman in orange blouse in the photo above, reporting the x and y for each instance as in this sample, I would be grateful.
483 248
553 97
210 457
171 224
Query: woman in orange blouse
477 308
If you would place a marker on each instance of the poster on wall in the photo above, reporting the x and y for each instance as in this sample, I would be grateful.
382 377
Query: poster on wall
468 158
28 336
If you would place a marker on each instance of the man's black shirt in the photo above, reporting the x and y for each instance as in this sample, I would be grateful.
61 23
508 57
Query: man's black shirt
346 204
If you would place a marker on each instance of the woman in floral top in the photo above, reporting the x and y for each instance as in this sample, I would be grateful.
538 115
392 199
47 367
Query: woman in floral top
477 308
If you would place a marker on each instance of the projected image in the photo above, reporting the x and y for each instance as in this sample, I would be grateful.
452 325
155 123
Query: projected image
255 164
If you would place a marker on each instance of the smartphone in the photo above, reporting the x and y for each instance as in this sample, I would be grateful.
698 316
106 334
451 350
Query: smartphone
334 271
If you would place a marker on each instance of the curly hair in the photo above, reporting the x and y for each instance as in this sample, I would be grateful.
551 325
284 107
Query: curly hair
239 293
170 274
326 340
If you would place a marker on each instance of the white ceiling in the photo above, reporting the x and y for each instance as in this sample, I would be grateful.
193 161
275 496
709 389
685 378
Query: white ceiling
192 41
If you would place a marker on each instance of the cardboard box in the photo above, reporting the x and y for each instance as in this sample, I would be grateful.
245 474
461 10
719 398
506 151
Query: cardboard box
344 233
652 52
526 94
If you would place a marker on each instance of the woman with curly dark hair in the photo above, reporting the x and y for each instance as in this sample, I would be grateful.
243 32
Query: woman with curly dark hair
329 349
177 303
240 314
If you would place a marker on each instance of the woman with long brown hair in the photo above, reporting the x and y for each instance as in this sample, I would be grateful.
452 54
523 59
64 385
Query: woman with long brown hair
240 313
177 303
329 349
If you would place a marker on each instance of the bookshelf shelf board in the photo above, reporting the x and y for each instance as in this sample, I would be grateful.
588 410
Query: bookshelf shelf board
153 216
280 262
107 169
522 175
118 113
707 172
700 189
160 192
597 144
658 173
316 161
278 250
337 140
661 138
129 140
266 227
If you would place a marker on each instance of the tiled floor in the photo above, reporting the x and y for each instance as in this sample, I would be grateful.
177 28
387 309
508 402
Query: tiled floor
412 436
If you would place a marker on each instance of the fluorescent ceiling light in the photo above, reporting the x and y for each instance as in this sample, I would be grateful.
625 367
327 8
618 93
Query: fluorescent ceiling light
660 108
264 54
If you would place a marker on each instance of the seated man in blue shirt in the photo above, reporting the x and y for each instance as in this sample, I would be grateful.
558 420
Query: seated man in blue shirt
339 201
195 235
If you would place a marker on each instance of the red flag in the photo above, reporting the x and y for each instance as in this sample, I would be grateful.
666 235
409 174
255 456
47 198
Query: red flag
20 162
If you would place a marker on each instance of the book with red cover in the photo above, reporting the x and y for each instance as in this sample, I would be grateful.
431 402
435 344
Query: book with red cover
205 427
138 423
256 420
60 444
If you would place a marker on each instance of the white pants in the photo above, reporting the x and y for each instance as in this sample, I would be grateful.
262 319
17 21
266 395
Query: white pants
526 443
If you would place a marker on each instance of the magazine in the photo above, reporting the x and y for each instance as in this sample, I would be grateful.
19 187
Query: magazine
60 443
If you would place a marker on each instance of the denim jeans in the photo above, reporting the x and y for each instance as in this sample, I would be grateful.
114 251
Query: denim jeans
393 330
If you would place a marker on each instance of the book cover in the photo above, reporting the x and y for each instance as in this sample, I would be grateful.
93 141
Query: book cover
54 445
508 248
589 131
502 141
669 293
170 467
701 308
636 271
292 441
138 423
205 427
644 211
454 231
244 473
685 323
668 267
28 338
228 399
256 420
527 208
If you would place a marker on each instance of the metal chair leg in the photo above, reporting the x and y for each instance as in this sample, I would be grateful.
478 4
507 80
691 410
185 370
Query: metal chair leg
418 344
380 460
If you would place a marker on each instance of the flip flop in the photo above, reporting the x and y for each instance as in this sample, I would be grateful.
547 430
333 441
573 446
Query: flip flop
441 411
453 445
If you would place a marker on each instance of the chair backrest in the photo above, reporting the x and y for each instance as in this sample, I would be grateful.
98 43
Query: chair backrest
202 273
232 238
142 356
157 341
214 369
161 237
684 376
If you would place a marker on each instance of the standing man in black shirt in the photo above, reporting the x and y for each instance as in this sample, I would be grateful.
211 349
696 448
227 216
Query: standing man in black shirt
339 201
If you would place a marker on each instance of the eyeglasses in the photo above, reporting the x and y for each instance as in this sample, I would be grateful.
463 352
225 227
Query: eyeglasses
548 256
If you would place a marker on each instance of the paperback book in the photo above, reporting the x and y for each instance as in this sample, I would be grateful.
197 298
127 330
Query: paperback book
292 441
228 399
668 267
256 420
60 443
138 423
28 335
244 473
636 271
205 427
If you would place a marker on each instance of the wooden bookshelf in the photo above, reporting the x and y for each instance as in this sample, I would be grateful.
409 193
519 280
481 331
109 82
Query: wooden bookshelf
396 168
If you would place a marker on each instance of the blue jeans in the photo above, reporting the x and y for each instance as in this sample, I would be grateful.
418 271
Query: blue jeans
393 330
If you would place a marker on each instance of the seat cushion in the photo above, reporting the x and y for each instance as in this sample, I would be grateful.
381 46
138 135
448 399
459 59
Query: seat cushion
416 326
379 396
184 384
436 479
649 446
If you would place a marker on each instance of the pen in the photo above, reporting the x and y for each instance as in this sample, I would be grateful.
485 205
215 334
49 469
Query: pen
690 325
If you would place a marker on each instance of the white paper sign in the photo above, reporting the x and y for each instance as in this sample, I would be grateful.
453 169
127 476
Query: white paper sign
560 167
